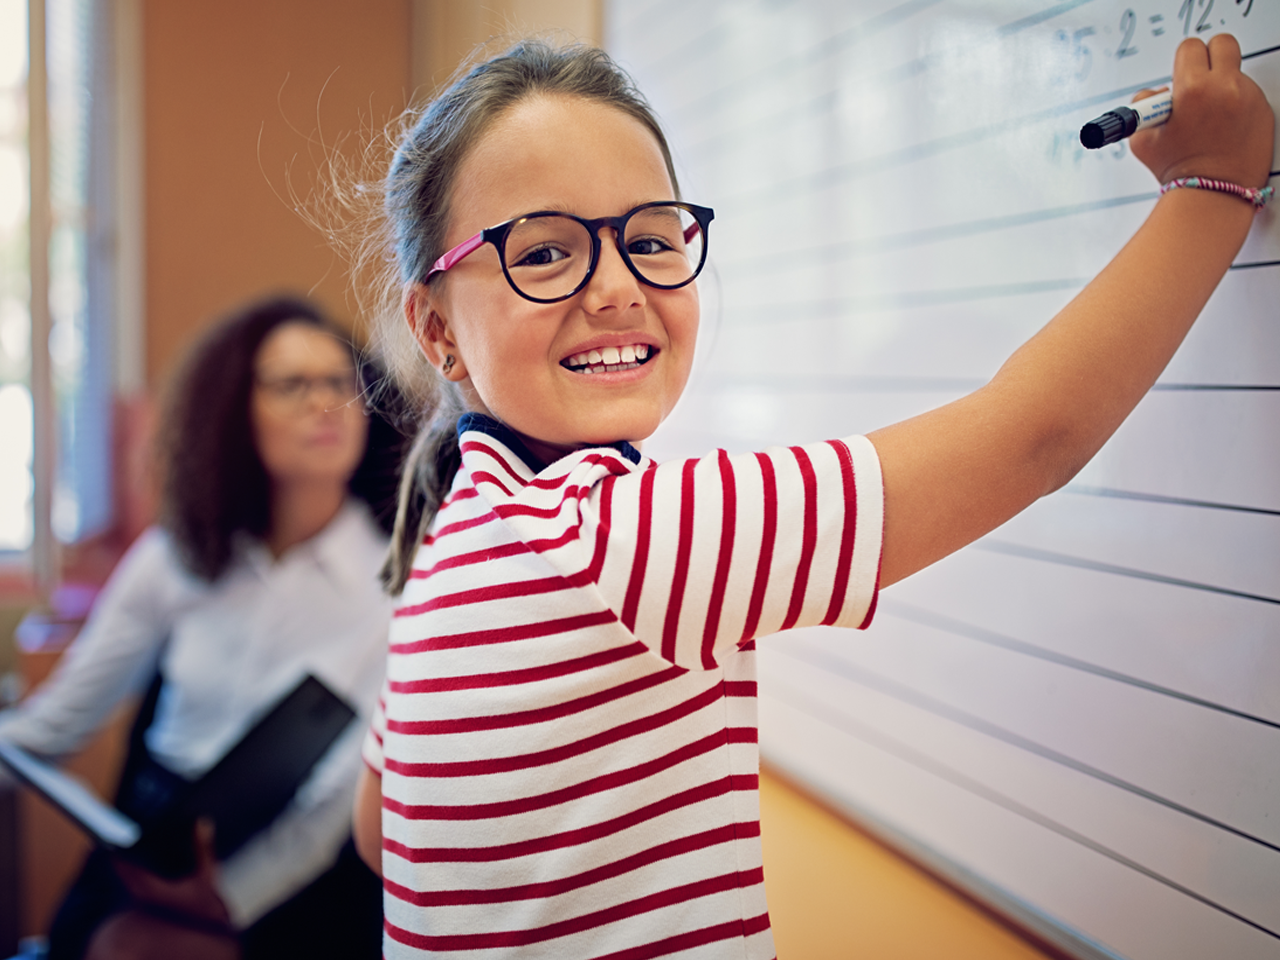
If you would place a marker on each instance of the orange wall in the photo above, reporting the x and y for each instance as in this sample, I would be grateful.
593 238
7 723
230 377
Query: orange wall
237 95
242 97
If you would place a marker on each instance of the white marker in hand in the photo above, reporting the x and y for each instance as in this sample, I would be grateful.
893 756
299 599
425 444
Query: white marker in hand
1126 121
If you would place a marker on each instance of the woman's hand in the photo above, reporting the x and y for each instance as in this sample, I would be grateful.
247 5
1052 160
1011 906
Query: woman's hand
183 917
195 895
1222 126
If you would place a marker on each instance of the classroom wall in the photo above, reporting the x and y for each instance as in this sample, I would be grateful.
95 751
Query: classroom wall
242 101
239 106
1078 717
242 104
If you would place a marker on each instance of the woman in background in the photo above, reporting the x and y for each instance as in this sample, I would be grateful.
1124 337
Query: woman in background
278 491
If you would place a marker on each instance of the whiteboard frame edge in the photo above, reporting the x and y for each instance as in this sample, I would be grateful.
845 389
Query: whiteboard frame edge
1023 917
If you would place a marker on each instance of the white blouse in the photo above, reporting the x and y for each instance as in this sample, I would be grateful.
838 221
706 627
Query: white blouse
229 651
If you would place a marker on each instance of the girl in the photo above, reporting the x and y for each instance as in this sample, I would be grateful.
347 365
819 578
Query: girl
564 761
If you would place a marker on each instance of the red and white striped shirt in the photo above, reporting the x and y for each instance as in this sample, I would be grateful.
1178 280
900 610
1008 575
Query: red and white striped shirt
567 737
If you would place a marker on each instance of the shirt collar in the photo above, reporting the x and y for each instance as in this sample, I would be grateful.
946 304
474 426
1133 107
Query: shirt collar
333 549
481 423
337 547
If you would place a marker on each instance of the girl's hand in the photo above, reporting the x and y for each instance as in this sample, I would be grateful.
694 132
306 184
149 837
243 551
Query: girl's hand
1222 126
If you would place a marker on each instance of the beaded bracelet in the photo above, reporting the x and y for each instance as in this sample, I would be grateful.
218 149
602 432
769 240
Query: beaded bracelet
1258 196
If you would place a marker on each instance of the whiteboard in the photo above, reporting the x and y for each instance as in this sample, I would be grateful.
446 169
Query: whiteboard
1078 716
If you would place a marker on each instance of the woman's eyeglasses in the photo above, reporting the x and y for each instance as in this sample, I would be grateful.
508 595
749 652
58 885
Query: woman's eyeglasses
549 256
293 393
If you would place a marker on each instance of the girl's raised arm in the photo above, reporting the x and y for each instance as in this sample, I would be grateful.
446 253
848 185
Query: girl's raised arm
955 473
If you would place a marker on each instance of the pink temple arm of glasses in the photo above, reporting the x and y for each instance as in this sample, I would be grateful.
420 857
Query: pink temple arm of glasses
463 249
467 247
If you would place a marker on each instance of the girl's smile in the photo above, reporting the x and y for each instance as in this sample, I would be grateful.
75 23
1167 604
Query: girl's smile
612 354
610 362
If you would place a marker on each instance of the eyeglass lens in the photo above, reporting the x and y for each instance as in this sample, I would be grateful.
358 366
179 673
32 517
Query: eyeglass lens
548 255
338 388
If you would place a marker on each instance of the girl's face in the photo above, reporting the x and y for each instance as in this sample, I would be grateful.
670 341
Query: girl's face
512 356
308 422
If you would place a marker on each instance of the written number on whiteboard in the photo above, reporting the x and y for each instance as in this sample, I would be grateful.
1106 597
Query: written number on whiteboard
1194 17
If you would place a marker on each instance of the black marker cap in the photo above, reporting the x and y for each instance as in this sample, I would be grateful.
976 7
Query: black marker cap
1111 126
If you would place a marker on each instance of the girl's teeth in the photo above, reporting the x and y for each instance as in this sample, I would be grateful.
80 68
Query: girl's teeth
598 361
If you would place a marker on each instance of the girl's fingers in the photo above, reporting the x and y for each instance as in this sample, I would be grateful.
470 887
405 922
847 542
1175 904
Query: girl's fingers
1143 94
1190 60
1224 52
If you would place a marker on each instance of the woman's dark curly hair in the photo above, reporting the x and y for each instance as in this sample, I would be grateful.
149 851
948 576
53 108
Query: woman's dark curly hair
214 482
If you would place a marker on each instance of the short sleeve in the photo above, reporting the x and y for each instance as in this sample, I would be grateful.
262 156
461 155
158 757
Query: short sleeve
697 557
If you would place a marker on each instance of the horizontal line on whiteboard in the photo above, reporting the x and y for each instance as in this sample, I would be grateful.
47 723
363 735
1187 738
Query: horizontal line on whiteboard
1259 53
840 44
782 191
796 383
842 307
799 383
939 621
1042 930
1049 556
904 694
921 65
1041 17
801 701
938 708
1212 387
768 75
1086 490
692 48
785 190
887 243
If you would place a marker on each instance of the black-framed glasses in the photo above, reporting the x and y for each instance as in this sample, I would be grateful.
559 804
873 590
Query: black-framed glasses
549 256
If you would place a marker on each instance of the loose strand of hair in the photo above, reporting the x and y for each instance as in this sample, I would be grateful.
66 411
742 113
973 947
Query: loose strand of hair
429 469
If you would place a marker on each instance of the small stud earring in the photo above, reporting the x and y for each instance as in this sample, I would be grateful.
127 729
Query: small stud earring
448 364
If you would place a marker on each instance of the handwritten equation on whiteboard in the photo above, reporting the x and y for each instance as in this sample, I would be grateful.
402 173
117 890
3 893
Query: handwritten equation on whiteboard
1097 52
1127 38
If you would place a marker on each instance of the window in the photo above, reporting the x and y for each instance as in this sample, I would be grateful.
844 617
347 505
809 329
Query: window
16 484
79 294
